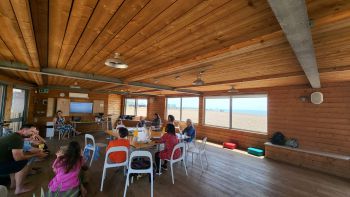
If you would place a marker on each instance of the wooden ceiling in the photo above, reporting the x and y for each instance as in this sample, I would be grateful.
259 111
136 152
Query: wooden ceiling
236 42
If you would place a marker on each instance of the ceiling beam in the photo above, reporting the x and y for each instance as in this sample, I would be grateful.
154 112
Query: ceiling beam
273 76
293 19
11 81
83 76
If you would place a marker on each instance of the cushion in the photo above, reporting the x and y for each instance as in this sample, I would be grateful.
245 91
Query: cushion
229 145
255 151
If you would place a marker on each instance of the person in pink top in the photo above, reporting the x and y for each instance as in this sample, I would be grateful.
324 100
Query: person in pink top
67 167
170 140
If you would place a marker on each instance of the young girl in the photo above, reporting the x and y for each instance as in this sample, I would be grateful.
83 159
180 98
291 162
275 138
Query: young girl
67 167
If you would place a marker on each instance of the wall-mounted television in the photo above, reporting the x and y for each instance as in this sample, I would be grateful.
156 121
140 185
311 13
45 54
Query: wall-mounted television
80 107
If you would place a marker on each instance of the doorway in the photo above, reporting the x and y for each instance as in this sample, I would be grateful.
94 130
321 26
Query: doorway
18 108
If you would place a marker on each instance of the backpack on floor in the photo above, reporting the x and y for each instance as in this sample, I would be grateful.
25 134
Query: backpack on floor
278 138
292 143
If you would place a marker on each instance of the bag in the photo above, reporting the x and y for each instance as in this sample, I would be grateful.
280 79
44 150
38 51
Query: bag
292 143
140 163
278 138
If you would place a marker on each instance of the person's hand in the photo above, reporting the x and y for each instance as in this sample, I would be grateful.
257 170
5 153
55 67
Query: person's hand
41 154
59 153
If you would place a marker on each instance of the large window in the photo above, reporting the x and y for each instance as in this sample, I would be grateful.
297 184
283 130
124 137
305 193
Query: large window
136 107
183 108
244 112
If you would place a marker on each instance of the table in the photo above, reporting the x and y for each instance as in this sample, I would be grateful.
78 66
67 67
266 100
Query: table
99 124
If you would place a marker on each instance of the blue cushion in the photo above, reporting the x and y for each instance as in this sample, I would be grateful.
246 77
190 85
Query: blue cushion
255 151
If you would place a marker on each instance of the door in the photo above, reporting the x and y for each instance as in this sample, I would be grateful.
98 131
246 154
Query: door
18 108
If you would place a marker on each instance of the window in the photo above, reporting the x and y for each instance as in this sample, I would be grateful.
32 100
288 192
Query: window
183 108
135 107
244 112
217 111
141 109
130 106
249 113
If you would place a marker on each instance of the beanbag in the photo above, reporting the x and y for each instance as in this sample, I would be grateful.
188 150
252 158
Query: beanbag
255 151
229 145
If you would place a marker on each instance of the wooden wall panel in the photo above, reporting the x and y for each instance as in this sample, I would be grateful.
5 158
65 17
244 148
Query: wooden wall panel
156 105
114 106
324 127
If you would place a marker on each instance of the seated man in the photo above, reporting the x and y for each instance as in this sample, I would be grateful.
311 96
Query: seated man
13 161
189 131
142 122
119 157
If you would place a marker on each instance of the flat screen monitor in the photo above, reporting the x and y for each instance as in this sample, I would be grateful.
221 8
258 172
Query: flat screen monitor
80 107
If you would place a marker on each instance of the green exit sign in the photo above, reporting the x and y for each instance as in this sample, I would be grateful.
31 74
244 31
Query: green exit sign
43 90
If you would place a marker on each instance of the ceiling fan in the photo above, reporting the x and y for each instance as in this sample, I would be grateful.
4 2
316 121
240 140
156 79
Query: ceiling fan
233 90
116 62
199 81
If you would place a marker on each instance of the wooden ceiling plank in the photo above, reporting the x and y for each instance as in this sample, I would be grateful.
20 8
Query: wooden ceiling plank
126 12
175 11
145 16
59 11
204 34
98 21
40 21
183 28
23 15
9 80
79 18
293 18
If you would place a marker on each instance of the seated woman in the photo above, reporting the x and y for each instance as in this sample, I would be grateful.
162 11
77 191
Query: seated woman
170 140
61 126
142 122
189 131
156 122
67 167
119 124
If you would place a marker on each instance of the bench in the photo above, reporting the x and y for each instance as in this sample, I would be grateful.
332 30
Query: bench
330 163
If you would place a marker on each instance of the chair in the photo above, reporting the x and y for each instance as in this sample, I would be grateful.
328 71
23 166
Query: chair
139 171
113 165
93 145
200 150
172 160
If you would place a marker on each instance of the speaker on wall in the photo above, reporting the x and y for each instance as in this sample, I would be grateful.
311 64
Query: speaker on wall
317 98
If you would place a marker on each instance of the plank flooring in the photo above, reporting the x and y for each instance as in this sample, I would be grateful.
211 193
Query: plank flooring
230 173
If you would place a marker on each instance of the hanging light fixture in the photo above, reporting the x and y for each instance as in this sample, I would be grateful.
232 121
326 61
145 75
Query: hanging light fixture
199 81
232 90
116 62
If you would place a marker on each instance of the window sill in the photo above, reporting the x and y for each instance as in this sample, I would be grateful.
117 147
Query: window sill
239 130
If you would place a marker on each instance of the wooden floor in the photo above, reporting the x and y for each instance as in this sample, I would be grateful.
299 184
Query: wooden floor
229 173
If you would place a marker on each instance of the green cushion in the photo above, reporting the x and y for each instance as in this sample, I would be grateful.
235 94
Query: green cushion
255 151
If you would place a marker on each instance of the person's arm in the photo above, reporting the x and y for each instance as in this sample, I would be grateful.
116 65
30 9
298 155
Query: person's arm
18 154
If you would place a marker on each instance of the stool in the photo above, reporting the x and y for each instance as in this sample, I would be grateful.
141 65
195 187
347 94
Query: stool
230 145
255 151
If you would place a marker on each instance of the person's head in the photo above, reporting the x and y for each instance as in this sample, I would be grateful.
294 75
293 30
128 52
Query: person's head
142 118
156 116
59 113
189 122
171 119
27 130
170 128
71 156
123 132
119 122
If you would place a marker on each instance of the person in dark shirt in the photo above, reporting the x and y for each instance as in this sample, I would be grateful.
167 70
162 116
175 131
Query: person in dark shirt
13 161
156 122
142 122
189 131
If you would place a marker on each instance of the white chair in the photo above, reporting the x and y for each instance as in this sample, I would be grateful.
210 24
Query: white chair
180 146
113 165
145 154
200 151
93 145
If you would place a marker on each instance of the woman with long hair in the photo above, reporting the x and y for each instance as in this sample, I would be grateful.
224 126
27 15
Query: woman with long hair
67 168
61 126
156 122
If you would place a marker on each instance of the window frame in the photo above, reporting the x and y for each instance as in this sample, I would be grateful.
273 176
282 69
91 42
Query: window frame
136 105
230 111
180 118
